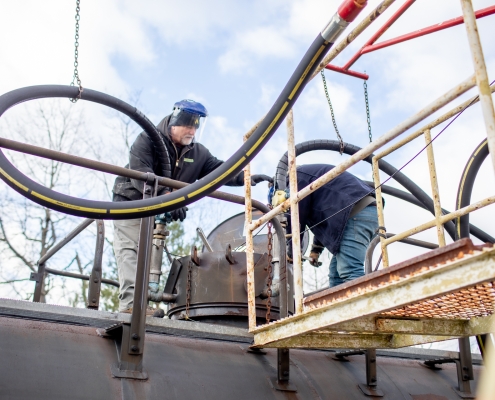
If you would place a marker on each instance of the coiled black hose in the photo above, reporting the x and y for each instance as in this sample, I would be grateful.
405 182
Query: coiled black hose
415 190
155 205
463 227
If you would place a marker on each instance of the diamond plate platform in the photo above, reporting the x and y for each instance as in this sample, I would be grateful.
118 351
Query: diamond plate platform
443 294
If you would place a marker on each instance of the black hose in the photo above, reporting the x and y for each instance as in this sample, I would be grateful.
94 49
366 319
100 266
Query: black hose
333 145
155 205
400 194
463 227
464 193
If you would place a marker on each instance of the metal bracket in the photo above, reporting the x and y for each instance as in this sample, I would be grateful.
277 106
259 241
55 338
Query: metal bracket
464 366
281 382
35 276
128 366
371 391
228 255
194 255
369 388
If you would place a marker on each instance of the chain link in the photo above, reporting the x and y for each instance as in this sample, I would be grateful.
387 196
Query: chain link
188 288
75 77
368 118
269 280
331 112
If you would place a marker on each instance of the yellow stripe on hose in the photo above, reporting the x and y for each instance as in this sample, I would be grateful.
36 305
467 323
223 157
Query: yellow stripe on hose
148 208
306 71
268 130
66 205
13 180
205 187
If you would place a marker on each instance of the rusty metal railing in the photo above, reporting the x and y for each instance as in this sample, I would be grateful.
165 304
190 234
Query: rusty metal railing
95 279
479 79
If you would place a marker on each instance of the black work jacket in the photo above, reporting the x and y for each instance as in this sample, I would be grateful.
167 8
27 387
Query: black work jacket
328 201
189 163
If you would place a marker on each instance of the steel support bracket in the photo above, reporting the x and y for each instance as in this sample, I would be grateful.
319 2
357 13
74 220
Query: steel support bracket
281 382
128 366
35 276
371 391
194 256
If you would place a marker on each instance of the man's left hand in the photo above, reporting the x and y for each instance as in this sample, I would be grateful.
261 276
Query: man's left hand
255 179
179 214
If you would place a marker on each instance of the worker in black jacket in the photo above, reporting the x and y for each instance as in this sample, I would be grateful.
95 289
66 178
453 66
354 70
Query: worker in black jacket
190 161
343 218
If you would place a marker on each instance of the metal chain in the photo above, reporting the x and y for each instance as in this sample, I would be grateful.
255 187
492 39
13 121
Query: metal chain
269 280
188 288
331 112
368 118
75 77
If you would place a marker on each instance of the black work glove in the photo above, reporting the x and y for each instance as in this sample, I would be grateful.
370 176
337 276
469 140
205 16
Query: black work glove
260 178
179 214
313 256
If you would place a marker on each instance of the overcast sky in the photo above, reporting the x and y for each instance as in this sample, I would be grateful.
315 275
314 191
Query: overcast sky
235 57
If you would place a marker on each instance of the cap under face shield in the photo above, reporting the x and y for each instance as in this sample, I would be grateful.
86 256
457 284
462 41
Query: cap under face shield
185 118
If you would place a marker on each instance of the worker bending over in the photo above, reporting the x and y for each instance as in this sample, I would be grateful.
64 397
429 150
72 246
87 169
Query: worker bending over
345 230
190 161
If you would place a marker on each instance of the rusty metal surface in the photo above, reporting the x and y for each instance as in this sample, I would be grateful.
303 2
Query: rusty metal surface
476 301
396 272
218 288
53 361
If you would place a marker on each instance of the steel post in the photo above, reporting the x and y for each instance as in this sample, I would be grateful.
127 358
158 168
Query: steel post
94 287
382 232
481 74
39 278
133 335
464 368
434 188
486 386
249 249
294 214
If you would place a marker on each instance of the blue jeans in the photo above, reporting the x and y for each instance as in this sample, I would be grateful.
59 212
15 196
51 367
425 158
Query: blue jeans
348 263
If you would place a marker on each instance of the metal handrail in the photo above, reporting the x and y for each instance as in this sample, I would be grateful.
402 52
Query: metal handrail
95 279
79 276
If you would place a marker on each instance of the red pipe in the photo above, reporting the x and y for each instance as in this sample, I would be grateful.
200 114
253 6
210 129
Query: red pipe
425 31
347 72
380 31
350 9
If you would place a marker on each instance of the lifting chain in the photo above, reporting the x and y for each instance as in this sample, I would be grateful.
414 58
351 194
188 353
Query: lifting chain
269 268
331 112
368 118
188 288
75 77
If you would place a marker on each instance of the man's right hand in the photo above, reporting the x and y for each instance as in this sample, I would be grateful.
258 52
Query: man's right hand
313 259
179 214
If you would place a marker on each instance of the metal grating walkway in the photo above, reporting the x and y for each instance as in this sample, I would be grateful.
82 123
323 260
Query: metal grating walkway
443 294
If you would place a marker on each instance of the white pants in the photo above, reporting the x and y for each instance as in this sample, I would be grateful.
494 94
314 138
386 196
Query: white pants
125 245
